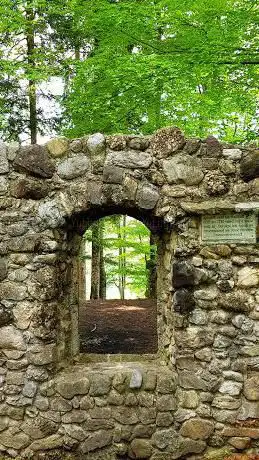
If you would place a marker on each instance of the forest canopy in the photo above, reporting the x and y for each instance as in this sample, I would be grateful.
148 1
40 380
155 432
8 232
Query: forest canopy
129 66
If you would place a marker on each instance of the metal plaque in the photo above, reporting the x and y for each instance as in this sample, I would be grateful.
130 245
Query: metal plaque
229 228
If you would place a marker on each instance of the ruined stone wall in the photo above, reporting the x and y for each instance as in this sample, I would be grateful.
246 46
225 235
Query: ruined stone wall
198 397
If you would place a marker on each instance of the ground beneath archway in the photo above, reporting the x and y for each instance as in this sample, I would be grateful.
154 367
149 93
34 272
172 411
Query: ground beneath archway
118 326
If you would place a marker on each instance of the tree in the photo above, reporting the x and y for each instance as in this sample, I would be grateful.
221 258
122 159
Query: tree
126 254
153 63
29 57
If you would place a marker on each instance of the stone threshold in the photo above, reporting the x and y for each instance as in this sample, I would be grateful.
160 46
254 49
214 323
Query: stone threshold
120 359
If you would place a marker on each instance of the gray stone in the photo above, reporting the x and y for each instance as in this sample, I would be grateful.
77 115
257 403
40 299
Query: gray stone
166 403
76 145
164 419
126 415
30 188
12 149
232 154
167 141
197 428
73 167
183 414
3 268
248 410
190 380
183 168
199 317
248 277
41 355
87 402
249 166
183 301
10 438
251 388
231 375
29 389
145 399
242 322
96 440
206 294
3 185
60 404
12 291
237 301
95 190
166 382
75 432
129 159
221 341
18 275
226 402
231 388
50 214
162 438
183 274
117 142
205 354
113 174
34 160
23 312
41 403
100 384
69 386
6 316
139 143
53 441
188 446
75 416
11 338
140 448
147 196
96 144
4 422
4 166
136 379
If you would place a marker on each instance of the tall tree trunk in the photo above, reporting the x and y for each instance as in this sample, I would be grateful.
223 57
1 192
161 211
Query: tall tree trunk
151 291
30 40
95 272
102 274
123 257
120 232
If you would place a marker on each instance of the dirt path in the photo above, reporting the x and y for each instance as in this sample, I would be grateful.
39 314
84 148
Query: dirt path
118 326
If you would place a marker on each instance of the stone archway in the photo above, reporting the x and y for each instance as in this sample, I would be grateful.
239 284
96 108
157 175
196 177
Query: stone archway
201 392
69 275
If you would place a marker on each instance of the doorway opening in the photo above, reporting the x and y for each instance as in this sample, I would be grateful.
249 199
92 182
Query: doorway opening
118 287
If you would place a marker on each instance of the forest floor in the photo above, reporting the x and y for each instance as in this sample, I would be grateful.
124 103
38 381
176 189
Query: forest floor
118 326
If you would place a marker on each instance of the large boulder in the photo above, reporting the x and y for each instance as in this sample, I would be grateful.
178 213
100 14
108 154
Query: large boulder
74 167
249 166
129 159
167 141
183 169
35 161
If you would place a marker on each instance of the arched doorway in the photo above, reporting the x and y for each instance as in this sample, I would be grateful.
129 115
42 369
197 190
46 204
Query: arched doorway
117 287
160 313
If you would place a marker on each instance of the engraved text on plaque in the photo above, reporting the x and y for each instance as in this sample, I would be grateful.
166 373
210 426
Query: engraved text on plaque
229 228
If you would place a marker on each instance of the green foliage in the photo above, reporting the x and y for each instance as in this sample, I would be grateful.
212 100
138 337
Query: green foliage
21 20
126 252
193 64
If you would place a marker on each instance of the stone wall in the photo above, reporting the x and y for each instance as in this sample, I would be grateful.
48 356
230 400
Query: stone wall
198 397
